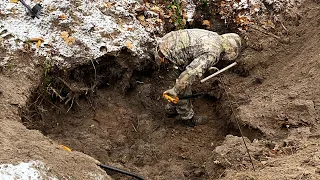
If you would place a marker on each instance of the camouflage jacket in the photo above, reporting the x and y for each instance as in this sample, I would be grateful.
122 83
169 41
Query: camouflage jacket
194 51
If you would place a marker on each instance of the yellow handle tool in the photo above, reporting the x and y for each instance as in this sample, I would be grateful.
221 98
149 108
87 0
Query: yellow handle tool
171 99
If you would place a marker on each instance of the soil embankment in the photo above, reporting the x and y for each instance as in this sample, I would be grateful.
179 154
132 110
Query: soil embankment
111 109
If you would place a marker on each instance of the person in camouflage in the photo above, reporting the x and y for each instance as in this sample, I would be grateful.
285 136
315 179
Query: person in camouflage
194 51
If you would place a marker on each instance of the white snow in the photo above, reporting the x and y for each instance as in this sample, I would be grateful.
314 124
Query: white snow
191 8
32 170
90 22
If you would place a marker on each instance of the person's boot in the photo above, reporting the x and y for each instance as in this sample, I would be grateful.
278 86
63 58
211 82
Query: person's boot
195 121
170 111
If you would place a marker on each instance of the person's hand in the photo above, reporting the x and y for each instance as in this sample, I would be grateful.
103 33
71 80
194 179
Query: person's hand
171 92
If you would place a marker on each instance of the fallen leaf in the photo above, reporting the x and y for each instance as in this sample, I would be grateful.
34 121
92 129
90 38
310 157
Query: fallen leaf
36 39
38 44
156 9
185 15
141 18
147 5
206 23
143 23
70 40
62 17
108 4
242 20
14 1
158 21
129 44
183 3
64 34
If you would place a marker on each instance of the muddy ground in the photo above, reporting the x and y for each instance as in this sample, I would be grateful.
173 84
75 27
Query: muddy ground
274 94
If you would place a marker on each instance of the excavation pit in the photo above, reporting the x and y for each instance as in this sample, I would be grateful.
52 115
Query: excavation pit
119 119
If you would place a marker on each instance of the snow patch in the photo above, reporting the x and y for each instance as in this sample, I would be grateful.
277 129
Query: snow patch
32 170
92 23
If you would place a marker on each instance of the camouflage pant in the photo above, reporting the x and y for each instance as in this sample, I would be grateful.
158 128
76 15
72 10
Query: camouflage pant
184 107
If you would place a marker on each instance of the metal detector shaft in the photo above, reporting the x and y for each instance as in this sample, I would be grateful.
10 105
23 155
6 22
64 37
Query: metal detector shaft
192 96
218 72
29 8
111 168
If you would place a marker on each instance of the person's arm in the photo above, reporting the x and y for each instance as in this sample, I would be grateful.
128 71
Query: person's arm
195 69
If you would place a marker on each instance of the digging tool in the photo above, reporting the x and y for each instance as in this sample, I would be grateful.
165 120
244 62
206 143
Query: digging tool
218 72
177 98
35 11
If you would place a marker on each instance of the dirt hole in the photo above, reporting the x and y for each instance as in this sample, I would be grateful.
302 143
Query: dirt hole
118 118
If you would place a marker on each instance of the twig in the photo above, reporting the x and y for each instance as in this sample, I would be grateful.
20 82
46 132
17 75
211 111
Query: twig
222 174
285 41
95 71
57 94
70 105
76 89
134 127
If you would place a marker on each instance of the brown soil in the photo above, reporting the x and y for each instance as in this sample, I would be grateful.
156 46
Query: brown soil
130 130
18 144
274 94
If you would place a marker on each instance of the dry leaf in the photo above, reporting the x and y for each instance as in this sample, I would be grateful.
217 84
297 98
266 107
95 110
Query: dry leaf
141 18
242 20
155 9
108 4
62 17
129 44
36 39
14 1
183 3
184 22
38 44
65 36
206 23
147 5
70 40
184 15
158 21
143 23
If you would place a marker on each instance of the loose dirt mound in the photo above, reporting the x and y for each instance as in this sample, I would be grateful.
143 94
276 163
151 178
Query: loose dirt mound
283 93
